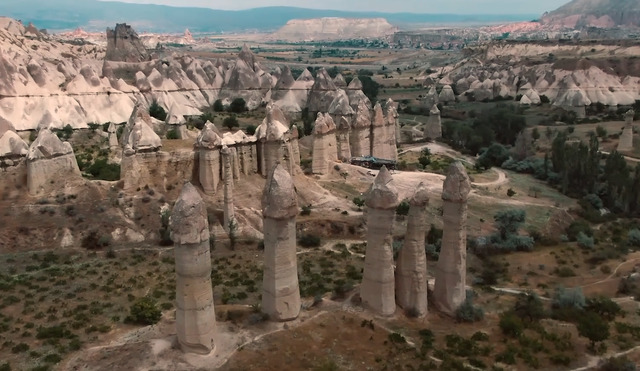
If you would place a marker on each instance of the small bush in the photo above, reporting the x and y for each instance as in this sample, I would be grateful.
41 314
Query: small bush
144 311
156 111
218 106
511 325
250 129
173 134
238 105
468 312
634 237
403 208
310 240
584 241
306 210
230 122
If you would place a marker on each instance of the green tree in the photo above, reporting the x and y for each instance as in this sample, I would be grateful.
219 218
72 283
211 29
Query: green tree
601 132
370 88
593 327
144 311
403 208
425 157
528 305
156 111
218 106
230 122
535 134
250 129
238 105
359 202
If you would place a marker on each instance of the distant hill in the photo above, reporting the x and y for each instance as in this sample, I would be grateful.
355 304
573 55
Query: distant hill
97 15
595 13
323 29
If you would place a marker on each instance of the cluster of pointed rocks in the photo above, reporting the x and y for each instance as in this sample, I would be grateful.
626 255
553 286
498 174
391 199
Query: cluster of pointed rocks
383 288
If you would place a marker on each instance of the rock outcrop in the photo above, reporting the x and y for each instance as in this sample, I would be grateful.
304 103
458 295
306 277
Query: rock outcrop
451 272
447 95
322 94
378 133
195 313
411 270
11 145
49 163
392 129
280 289
140 150
433 127
378 287
124 45
208 147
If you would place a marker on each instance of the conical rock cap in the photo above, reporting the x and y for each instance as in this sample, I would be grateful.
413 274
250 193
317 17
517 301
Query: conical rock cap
279 200
188 220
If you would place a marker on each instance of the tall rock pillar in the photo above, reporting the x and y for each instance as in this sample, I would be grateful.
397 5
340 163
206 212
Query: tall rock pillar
280 290
208 147
227 178
378 289
392 130
360 136
195 313
411 269
451 271
295 147
433 128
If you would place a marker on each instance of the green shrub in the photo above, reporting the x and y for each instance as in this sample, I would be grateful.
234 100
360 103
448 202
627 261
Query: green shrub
218 106
144 311
511 325
230 122
156 111
310 240
20 348
5 366
306 210
618 364
173 134
103 170
238 105
467 312
634 237
584 241
403 208
250 129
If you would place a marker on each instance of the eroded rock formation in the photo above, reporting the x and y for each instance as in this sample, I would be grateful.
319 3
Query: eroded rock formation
411 270
433 127
208 146
195 313
324 144
280 290
49 163
360 136
378 287
227 178
451 271
124 45
11 145
626 139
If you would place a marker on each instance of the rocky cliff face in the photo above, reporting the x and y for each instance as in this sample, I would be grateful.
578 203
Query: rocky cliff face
595 13
333 29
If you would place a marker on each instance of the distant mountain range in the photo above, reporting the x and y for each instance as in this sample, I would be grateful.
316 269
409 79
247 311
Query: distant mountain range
595 13
97 15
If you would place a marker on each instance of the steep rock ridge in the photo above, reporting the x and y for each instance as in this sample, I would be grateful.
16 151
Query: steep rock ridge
595 13
503 71
124 45
322 29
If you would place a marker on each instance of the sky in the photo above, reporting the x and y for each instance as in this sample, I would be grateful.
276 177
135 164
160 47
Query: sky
411 6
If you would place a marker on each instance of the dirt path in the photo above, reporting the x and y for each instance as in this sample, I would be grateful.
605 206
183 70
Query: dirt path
612 275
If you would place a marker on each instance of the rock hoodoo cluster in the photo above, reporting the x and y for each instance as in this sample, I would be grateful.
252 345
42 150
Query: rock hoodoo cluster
280 290
274 142
12 147
450 287
195 313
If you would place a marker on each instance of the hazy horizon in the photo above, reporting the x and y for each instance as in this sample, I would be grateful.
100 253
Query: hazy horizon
409 6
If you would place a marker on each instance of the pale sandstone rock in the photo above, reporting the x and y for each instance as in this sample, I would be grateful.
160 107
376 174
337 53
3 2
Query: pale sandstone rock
322 93
378 287
227 178
356 95
271 136
280 289
392 129
195 313
447 95
295 146
360 136
208 146
124 45
343 133
50 160
324 144
451 271
411 270
379 133
138 134
11 145
433 127
113 136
